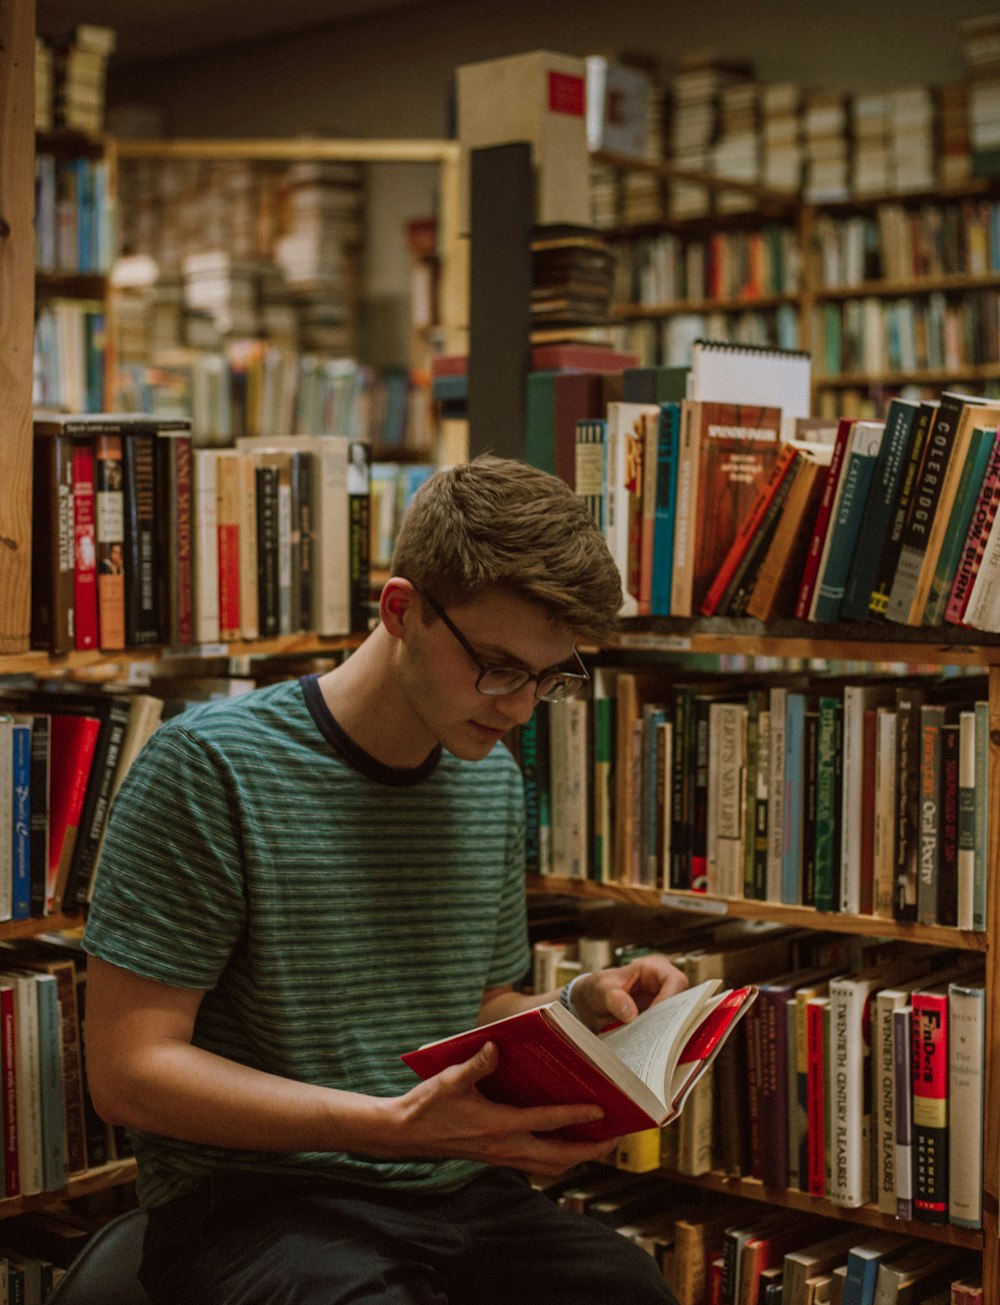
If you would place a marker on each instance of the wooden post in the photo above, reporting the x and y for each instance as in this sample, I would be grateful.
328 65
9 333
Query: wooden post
17 310
501 216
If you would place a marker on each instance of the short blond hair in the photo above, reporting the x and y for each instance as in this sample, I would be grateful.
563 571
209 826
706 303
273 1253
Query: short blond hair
500 523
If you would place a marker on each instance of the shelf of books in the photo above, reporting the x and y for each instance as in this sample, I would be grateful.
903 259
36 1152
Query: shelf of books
788 760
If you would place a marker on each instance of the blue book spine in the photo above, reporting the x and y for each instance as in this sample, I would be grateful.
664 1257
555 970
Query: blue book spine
666 502
21 823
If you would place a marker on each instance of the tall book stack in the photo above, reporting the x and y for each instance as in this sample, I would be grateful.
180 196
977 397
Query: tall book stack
981 48
572 274
225 289
694 124
870 172
736 153
912 118
781 135
80 70
827 161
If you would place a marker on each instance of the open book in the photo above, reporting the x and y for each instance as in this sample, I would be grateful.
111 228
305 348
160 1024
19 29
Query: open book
640 1073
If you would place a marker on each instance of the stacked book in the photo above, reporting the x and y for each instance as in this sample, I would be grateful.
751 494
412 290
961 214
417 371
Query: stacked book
981 48
572 277
781 136
80 72
955 148
736 152
913 122
827 147
694 125
870 167
224 289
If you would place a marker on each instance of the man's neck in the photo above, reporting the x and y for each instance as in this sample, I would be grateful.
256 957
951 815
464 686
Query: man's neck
364 697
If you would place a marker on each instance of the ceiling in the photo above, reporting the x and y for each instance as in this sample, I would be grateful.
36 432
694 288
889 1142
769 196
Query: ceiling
149 30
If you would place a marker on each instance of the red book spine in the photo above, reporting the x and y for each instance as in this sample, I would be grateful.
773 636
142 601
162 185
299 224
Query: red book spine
84 548
810 571
816 1097
975 540
229 581
930 1106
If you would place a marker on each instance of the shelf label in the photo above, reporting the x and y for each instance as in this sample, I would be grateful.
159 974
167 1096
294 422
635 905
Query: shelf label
706 905
657 642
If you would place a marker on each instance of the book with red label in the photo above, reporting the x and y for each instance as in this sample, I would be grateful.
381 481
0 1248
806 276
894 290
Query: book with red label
84 547
929 1050
639 1073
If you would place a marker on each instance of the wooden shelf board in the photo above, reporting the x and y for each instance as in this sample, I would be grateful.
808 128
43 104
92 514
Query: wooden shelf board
877 643
925 376
634 312
806 917
924 285
42 663
868 1215
115 1174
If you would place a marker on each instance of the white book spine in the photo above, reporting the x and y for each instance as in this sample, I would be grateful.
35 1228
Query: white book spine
966 1054
206 549
850 1118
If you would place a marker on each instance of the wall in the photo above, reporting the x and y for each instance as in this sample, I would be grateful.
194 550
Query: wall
391 75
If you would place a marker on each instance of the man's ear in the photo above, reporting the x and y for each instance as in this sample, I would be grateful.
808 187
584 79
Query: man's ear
396 600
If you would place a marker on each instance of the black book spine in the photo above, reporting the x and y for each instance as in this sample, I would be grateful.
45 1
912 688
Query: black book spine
359 527
878 603
96 803
267 550
142 605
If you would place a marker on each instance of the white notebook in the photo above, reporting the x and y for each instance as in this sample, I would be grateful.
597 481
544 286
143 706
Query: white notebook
754 374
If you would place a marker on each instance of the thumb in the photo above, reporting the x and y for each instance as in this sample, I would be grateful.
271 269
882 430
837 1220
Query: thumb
483 1063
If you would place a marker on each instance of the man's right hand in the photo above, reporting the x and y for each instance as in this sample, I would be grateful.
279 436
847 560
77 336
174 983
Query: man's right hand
447 1116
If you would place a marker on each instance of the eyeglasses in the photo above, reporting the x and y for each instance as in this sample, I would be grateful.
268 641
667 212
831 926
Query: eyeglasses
552 685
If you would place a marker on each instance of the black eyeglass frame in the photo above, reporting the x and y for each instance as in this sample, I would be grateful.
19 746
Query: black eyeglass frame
574 679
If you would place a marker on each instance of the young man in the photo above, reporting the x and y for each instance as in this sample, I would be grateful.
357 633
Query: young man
301 884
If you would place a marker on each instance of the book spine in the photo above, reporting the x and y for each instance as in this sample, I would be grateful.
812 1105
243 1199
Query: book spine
205 501
929 828
884 1104
21 820
52 572
589 469
973 471
879 600
930 1106
96 807
817 1106
966 857
142 617
110 528
8 1059
267 549
976 536
947 889
902 1043
774 1084
229 525
844 527
84 548
40 727
906 853
850 1107
664 514
749 527
966 1059
359 494
810 572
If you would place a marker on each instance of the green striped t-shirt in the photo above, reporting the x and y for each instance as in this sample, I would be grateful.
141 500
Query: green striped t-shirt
335 911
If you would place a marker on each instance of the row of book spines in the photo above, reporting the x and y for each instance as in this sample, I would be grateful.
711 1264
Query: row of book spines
727 266
905 334
960 237
719 1248
137 554
896 527
788 822
72 223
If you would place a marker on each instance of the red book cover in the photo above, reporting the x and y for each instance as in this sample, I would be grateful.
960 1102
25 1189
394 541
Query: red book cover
547 1057
810 571
72 743
84 547
748 528
816 1093
930 1104
12 1176
109 510
976 536
228 500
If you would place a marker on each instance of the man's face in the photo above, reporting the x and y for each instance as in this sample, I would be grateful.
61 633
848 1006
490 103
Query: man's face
440 675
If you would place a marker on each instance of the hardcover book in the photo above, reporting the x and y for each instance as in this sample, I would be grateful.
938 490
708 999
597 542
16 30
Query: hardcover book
640 1073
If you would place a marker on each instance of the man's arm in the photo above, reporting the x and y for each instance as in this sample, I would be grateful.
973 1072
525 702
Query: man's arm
145 1073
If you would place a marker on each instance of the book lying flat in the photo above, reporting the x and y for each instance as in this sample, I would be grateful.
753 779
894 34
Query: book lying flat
639 1073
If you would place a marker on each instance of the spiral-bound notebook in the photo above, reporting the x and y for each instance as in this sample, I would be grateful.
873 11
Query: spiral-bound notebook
747 373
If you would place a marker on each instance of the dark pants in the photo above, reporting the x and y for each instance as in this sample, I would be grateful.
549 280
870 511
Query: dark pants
262 1241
